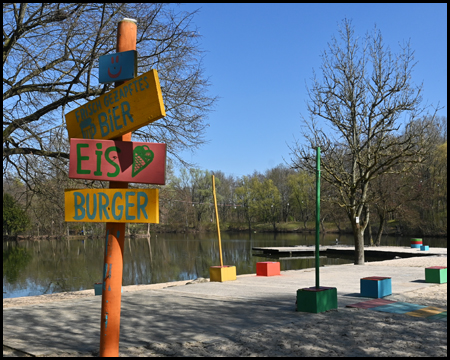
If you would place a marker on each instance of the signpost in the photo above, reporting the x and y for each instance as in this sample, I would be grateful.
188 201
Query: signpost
111 118
318 298
128 107
317 218
217 219
126 161
223 272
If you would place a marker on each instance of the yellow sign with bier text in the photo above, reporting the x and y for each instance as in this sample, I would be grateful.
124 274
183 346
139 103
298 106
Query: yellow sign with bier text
126 108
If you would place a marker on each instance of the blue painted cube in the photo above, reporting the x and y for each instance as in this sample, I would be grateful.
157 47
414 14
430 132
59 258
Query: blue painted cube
376 286
98 288
424 247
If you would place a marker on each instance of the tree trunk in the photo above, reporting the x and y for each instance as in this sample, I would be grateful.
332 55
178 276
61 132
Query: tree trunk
359 244
369 235
322 224
380 230
338 225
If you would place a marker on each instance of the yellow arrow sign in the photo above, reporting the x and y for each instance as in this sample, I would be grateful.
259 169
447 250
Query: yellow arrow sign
112 205
128 107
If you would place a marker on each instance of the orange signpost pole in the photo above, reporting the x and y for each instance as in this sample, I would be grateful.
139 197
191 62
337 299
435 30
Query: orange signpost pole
115 236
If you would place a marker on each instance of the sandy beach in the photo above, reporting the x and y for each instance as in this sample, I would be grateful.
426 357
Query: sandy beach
342 332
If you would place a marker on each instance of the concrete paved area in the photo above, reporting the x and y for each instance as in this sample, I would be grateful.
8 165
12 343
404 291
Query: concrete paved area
206 312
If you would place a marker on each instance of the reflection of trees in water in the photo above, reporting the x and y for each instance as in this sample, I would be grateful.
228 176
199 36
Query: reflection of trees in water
15 260
46 291
58 265
150 250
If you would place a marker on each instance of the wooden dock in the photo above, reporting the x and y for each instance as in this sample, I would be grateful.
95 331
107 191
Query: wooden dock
344 250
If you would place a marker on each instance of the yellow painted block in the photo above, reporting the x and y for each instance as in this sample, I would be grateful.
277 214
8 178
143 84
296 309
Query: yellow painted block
222 273
126 108
112 205
425 312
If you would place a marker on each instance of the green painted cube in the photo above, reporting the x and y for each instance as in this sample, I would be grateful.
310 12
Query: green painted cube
436 274
316 300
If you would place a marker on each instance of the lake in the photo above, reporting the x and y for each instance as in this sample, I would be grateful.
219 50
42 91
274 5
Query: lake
51 266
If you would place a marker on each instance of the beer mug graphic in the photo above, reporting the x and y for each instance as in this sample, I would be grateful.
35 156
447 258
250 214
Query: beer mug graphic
88 129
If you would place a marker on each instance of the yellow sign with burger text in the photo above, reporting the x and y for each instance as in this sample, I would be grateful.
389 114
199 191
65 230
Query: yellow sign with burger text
112 205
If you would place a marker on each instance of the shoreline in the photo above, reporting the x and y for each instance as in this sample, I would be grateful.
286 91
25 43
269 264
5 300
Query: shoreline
419 261
256 229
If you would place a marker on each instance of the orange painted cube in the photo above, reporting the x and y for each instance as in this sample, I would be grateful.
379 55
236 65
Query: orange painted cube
267 268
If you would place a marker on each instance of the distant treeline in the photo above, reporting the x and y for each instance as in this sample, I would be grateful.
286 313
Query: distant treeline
281 199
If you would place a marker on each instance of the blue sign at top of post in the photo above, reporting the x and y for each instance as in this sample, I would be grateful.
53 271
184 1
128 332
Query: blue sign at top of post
118 67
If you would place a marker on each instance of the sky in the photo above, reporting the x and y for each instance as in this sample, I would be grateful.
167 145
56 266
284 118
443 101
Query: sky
260 57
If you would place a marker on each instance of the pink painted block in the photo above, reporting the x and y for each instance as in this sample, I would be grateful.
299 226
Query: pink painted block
377 278
111 160
371 303
267 268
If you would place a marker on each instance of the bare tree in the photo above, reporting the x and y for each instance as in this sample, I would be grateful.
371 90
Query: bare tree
279 175
50 66
373 121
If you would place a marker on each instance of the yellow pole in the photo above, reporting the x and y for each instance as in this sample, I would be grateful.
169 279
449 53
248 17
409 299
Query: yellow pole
217 219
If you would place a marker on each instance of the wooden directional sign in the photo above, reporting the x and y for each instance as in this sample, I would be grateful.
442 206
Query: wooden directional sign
112 160
126 108
117 67
112 205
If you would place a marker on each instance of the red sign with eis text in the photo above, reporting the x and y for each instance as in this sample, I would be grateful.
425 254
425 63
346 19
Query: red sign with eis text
111 160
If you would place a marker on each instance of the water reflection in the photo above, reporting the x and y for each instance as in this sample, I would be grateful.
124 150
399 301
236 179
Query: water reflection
51 266
15 259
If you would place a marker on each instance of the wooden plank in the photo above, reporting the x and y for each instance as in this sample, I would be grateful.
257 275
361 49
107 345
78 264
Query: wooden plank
349 249
112 160
117 67
279 258
289 249
112 205
126 108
